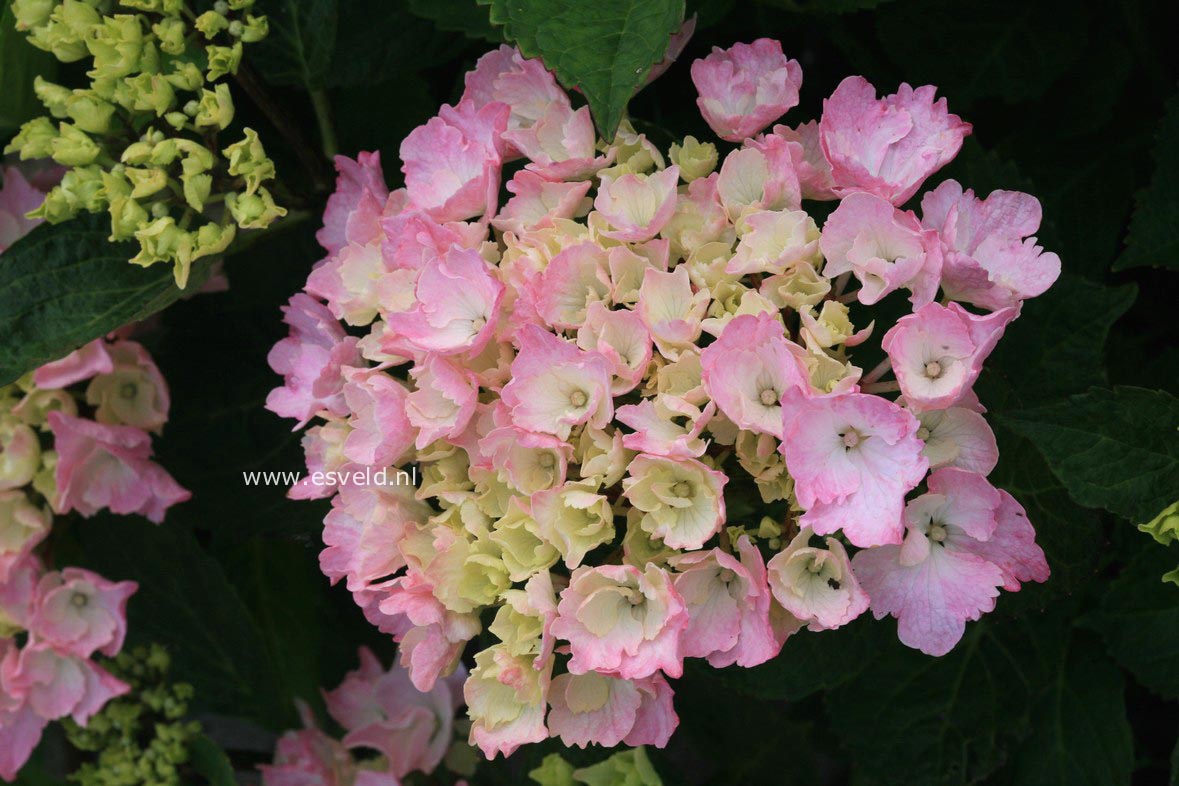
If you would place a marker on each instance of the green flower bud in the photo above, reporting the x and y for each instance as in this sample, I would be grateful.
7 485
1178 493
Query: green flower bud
145 182
185 76
695 158
165 7
32 13
247 159
1165 526
89 112
54 97
215 108
240 5
553 771
83 186
127 215
66 31
171 32
213 239
177 120
255 29
196 190
56 207
72 147
151 92
162 241
223 60
197 157
44 482
164 152
34 140
116 45
253 211
211 23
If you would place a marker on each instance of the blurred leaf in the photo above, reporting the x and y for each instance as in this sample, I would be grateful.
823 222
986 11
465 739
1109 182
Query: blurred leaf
826 6
187 603
1057 345
19 63
210 762
1138 617
1116 449
604 49
381 39
64 285
298 51
1154 229
911 719
378 115
457 16
1008 49
1080 736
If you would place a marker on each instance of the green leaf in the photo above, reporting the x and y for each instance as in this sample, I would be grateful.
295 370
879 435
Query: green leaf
826 6
604 48
1115 449
62 286
210 762
1154 229
19 63
298 51
1138 617
187 603
457 16
1080 735
911 719
1008 49
1056 345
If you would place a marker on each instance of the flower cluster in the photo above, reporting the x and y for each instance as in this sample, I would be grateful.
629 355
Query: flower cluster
381 712
141 141
629 388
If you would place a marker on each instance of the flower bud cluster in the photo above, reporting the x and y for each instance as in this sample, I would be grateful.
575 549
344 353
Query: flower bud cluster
634 390
141 142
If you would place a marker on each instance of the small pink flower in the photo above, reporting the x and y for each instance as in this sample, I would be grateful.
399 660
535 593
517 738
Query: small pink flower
883 247
363 531
56 684
444 401
17 197
887 146
948 571
958 437
133 392
433 641
355 181
536 202
592 708
452 163
458 298
20 726
79 612
83 363
682 500
937 352
622 338
530 461
728 605
671 310
381 433
560 145
556 386
382 710
746 87
813 168
576 278
621 621
503 75
657 432
853 458
749 368
412 239
816 584
759 176
637 206
103 466
311 361
323 452
992 260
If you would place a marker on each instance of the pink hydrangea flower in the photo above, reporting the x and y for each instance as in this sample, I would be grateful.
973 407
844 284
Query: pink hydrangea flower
133 392
958 437
452 163
728 605
381 432
79 612
671 310
937 352
576 278
622 338
83 363
637 206
811 165
17 197
18 594
759 176
948 571
503 75
536 202
592 708
815 584
311 361
992 260
746 87
749 368
363 531
620 620
682 500
103 466
883 247
356 181
887 146
56 684
853 458
22 526
20 730
556 386
444 401
382 710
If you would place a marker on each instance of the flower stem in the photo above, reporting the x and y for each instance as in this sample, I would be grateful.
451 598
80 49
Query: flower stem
881 369
323 115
